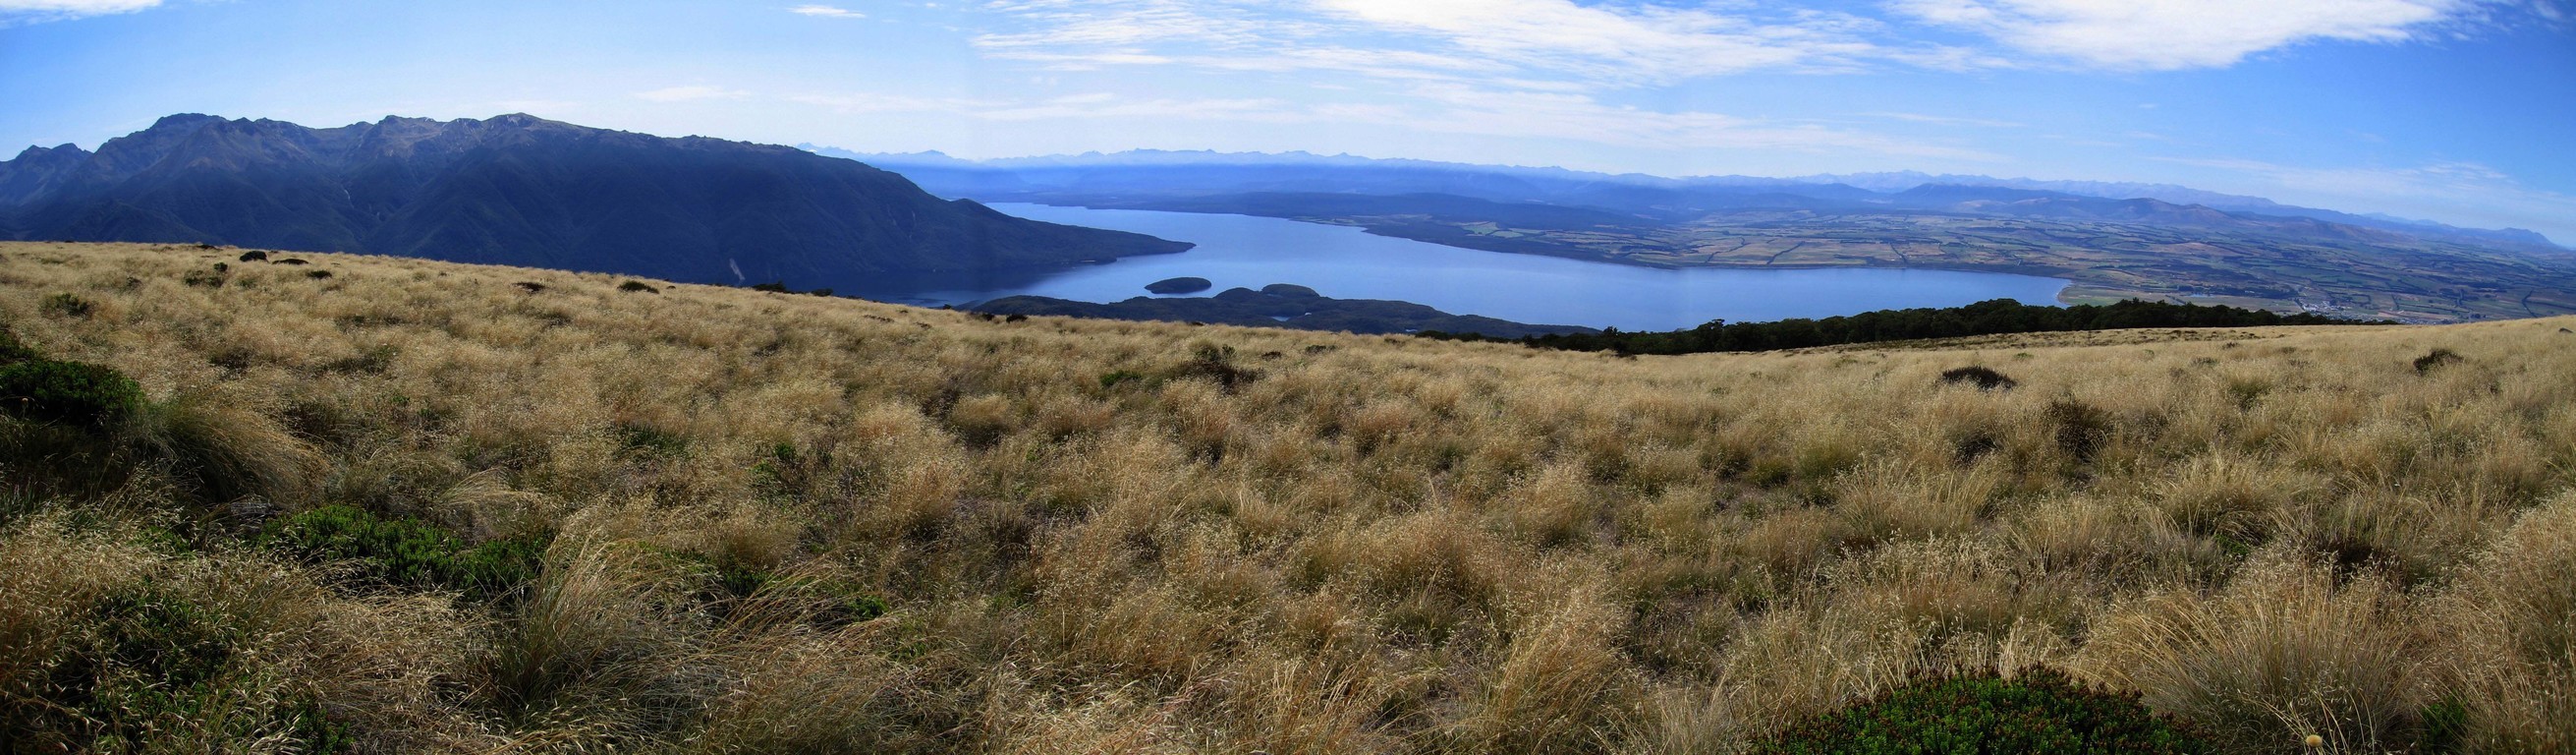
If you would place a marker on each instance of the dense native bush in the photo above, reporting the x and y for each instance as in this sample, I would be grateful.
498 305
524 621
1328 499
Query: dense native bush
2036 711
405 552
77 393
1999 316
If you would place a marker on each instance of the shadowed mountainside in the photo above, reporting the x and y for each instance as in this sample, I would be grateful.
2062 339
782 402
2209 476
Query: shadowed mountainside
524 191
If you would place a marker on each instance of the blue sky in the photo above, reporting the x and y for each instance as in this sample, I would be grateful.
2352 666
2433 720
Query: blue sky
2455 110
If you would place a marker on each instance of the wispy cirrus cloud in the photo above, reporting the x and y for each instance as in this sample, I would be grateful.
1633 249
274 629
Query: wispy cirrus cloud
1440 107
13 12
1530 40
2179 34
826 11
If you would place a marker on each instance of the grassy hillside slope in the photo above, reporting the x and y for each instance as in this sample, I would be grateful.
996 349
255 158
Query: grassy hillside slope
415 506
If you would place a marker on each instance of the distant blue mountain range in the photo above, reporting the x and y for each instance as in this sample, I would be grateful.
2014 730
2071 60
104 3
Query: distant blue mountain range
1130 177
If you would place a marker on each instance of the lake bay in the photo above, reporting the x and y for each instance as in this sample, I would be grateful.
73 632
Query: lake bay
1348 263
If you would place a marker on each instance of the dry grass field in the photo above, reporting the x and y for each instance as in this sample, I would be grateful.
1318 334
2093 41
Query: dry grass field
781 523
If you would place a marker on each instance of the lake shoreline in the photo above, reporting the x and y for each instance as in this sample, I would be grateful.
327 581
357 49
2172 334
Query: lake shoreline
1350 262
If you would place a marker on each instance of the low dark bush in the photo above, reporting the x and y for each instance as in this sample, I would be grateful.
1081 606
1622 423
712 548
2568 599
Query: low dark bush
45 390
1112 378
405 553
2080 429
11 350
2436 359
254 256
775 287
145 663
292 261
1216 363
67 305
650 441
1985 379
2036 711
317 274
531 287
1016 318
637 287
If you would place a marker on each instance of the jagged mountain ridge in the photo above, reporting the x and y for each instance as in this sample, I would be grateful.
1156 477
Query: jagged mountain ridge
522 190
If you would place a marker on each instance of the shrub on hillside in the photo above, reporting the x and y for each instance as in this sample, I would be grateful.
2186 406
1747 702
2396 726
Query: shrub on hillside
405 552
1216 363
1986 379
2038 710
67 305
12 351
638 287
143 667
2080 429
2436 359
45 390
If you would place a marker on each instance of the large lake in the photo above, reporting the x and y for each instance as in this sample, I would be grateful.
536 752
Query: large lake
1347 263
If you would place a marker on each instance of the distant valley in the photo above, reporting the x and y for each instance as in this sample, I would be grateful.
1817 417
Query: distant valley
2255 253
521 190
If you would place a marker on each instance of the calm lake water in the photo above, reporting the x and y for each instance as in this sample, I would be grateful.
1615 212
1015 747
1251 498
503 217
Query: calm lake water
1347 263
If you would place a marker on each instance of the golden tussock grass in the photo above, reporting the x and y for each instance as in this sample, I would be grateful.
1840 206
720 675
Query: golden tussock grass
788 523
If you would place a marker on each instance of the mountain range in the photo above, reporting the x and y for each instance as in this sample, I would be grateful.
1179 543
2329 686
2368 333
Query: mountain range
1140 174
521 190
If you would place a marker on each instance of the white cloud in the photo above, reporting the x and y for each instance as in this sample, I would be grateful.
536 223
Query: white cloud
1529 40
2178 34
1462 109
691 93
1642 42
36 11
826 11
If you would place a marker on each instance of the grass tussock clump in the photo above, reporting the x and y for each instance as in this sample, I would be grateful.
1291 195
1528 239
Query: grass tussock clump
422 507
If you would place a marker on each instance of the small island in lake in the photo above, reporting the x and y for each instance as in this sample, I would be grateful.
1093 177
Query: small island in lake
1179 285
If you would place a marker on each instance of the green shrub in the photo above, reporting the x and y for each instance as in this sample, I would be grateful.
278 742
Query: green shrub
11 351
44 390
67 305
2037 711
406 552
638 287
146 664
2446 728
650 441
